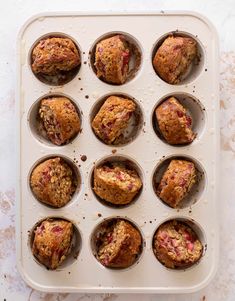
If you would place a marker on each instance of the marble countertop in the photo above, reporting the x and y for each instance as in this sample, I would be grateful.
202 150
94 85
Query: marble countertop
13 13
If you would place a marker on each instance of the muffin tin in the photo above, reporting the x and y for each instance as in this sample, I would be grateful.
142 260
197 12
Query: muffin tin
199 93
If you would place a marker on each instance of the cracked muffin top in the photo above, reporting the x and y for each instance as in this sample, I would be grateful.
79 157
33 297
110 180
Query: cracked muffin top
176 245
54 55
112 119
174 122
112 58
60 119
174 58
52 242
119 244
177 182
53 182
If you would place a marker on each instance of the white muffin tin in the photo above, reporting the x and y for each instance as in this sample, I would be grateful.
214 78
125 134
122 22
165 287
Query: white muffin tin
86 274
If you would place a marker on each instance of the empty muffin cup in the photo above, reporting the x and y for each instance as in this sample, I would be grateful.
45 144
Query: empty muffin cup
179 181
116 181
178 58
55 242
54 181
178 119
115 58
116 119
117 243
55 59
178 243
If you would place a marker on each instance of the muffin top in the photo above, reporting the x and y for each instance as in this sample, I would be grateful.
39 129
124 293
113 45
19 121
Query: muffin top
120 244
174 122
53 182
54 55
117 174
177 245
52 242
174 57
112 119
112 59
60 119
177 181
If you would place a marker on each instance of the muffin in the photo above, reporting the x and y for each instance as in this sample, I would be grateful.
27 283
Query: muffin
115 183
52 242
59 118
112 56
174 122
176 182
118 244
113 118
53 182
54 55
174 57
176 245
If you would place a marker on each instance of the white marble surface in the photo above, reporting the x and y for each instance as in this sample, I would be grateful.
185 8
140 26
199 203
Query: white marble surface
12 15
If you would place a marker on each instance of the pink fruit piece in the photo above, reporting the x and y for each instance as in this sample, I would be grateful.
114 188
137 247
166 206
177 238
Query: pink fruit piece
57 229
180 114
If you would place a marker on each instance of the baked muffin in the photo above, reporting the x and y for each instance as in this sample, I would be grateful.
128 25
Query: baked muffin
52 242
176 182
174 122
115 183
59 118
118 244
55 55
113 118
112 58
53 182
174 57
176 245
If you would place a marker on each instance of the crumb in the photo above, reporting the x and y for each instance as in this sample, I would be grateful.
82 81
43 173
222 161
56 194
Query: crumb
83 158
79 78
86 194
81 89
83 217
99 214
69 273
86 96
114 151
150 222
84 52
205 70
85 62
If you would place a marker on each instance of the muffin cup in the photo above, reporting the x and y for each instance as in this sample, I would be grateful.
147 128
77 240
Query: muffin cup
76 243
76 175
194 108
129 164
63 77
200 234
136 54
36 125
135 123
95 240
198 63
197 190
